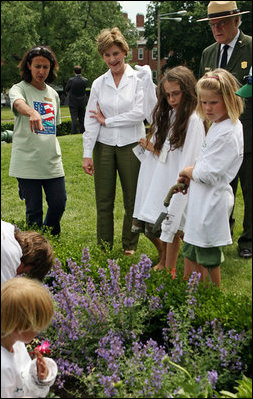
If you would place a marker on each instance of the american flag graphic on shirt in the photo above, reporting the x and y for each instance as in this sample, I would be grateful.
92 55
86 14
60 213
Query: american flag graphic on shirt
46 110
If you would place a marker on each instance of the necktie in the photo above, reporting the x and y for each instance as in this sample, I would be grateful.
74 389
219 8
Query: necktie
224 56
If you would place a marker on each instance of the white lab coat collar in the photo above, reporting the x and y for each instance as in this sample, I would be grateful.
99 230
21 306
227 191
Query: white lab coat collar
109 81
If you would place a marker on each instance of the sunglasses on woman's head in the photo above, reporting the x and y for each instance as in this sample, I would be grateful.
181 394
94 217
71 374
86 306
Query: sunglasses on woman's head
41 51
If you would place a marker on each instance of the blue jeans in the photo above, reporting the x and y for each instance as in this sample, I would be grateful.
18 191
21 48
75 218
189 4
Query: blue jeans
31 191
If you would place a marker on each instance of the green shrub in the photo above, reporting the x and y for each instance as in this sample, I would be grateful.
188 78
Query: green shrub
244 389
7 126
64 128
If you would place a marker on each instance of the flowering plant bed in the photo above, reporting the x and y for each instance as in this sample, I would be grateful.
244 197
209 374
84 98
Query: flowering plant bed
99 335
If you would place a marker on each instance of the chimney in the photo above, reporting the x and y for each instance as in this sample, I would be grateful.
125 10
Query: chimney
140 20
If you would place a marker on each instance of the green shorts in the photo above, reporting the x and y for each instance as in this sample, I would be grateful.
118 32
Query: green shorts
207 257
139 226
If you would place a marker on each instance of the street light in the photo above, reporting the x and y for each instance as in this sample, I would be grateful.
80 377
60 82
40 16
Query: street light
159 17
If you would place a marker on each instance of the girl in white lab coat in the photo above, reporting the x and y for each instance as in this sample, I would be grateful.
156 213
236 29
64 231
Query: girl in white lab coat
210 198
176 137
26 309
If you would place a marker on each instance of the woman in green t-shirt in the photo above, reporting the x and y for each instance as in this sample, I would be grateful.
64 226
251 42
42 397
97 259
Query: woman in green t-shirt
36 159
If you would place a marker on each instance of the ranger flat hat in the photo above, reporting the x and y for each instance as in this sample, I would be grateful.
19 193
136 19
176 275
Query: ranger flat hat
222 9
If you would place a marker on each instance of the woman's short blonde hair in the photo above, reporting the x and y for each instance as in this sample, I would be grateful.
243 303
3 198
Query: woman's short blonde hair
110 37
26 305
224 83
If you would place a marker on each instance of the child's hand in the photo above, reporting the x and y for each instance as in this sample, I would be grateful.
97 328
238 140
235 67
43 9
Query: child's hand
146 144
42 370
186 172
186 181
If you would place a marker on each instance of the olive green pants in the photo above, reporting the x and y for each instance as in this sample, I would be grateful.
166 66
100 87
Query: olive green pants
107 161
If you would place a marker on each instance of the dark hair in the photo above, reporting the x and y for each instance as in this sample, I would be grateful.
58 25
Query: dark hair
37 252
161 113
77 69
44 51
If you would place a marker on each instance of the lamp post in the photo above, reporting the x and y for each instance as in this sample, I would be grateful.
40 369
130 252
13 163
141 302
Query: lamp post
159 17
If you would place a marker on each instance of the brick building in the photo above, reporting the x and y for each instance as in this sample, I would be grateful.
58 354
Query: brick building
141 55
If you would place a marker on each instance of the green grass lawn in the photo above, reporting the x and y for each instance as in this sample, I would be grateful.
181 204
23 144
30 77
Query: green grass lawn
79 220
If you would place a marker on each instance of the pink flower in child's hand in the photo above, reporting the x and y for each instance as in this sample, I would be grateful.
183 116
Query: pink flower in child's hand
44 347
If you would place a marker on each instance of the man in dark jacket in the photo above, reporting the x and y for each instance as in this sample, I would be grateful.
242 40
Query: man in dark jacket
77 99
233 52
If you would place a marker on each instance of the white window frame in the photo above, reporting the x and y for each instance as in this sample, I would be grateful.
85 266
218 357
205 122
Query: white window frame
140 53
154 53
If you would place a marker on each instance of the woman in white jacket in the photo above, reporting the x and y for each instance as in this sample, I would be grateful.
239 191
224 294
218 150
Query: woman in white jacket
113 126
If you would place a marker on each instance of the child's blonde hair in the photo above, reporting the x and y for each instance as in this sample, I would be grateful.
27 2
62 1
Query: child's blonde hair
25 305
110 37
224 83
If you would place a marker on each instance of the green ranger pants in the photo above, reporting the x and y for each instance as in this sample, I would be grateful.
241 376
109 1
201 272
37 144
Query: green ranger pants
245 176
107 161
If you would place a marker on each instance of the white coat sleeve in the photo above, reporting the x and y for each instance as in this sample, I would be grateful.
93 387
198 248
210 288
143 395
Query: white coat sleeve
149 88
190 151
92 126
11 252
133 116
216 161
34 387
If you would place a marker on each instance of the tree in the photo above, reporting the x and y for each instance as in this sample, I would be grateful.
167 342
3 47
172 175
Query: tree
69 27
18 33
187 38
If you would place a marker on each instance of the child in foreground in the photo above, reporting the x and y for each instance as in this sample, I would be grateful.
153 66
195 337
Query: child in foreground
26 309
210 198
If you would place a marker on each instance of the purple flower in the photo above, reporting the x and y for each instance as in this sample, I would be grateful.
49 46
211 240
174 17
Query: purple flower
154 302
66 368
129 302
212 377
193 282
191 289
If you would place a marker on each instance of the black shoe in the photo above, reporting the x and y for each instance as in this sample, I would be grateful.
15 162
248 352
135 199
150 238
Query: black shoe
245 253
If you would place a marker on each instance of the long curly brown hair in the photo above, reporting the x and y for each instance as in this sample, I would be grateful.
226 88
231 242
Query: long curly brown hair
161 121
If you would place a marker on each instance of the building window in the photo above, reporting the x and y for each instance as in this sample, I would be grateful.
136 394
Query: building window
154 53
140 54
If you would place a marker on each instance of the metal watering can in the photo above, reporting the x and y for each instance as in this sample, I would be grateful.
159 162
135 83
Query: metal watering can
162 216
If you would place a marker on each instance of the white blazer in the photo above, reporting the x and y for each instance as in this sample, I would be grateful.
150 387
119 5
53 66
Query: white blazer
210 198
122 107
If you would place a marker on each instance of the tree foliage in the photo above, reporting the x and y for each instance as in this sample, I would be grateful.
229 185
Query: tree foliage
69 27
186 38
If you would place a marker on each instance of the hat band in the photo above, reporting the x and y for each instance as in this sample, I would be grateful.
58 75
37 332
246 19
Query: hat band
223 14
